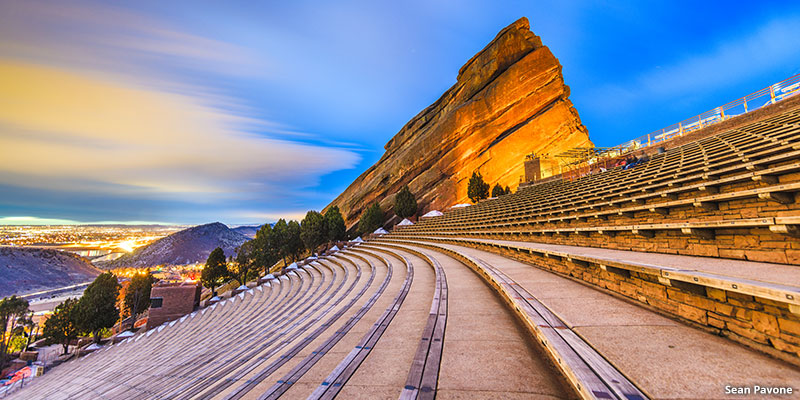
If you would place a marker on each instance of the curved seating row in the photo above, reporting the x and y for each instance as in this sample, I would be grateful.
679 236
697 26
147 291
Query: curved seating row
692 199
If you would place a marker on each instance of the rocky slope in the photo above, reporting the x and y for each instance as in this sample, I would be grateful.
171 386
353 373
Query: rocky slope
27 270
184 247
509 100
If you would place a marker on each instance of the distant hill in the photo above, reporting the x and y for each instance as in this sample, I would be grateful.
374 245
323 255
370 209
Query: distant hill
26 270
249 231
183 247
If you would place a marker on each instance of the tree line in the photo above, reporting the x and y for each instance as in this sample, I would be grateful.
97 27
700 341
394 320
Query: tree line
283 241
289 241
104 303
478 189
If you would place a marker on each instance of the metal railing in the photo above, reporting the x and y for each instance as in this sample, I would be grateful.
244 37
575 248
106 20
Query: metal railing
751 102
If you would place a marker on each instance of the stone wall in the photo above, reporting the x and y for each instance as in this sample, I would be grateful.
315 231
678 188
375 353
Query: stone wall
764 324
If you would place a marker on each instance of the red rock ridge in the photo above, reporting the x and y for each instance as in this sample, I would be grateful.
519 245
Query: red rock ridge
509 100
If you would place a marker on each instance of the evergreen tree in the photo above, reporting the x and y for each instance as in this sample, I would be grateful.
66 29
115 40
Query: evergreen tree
405 204
507 190
312 230
477 188
498 190
295 241
280 240
215 271
264 248
136 298
11 308
62 326
244 266
97 308
334 225
371 219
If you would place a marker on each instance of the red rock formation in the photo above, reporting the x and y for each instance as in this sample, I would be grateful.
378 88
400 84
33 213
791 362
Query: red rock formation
509 100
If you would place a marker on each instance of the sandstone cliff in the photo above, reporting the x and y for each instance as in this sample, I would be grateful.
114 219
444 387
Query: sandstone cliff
509 100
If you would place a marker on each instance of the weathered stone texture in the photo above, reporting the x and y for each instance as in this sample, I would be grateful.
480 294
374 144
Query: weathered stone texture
509 100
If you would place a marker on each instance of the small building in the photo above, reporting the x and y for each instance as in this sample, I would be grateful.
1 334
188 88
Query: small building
171 301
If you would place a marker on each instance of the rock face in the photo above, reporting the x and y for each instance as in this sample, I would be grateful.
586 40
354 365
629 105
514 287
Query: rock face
509 100
184 247
28 270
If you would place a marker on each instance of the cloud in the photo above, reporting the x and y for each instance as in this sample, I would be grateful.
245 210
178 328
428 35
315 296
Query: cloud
27 220
62 129
105 37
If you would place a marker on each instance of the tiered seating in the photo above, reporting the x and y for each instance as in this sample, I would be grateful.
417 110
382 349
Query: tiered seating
693 199
706 232
607 347
596 287
205 353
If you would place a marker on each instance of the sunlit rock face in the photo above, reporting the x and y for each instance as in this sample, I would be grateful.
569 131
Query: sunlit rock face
510 100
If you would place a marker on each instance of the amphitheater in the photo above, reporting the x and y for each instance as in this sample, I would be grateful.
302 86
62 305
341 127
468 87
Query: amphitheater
677 278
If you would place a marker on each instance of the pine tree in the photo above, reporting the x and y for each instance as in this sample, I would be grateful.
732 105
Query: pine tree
136 298
264 250
280 240
244 267
334 225
497 190
477 188
312 230
371 219
62 326
97 308
215 271
295 241
405 204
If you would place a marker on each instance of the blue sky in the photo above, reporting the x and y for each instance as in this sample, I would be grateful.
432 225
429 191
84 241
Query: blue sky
189 112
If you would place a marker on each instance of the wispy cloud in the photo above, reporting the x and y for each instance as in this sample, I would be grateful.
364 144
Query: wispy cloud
123 106
59 126
27 220
104 37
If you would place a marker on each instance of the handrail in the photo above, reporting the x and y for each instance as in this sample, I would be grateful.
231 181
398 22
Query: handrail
743 105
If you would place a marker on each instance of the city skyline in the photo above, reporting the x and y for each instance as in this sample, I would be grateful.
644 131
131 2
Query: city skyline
162 114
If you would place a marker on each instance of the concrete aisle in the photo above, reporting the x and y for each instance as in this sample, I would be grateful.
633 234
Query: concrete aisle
383 373
317 374
665 358
486 352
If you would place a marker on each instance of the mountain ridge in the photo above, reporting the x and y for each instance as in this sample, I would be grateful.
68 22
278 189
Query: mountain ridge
191 245
25 270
